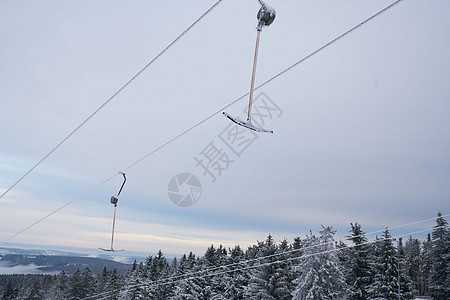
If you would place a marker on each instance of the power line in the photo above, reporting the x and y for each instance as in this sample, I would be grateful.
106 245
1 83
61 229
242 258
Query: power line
267 81
180 277
225 107
320 244
298 257
111 98
170 280
58 209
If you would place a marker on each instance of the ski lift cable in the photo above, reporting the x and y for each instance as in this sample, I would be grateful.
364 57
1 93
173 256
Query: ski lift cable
290 252
266 82
223 108
178 279
321 244
309 247
303 256
58 209
294 258
158 283
111 98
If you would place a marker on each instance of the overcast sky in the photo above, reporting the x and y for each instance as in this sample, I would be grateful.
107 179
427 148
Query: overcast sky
361 130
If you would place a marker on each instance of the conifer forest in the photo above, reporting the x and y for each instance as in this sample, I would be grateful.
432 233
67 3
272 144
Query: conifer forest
312 267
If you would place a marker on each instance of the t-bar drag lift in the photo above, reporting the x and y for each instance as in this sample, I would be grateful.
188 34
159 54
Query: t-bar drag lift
265 16
115 200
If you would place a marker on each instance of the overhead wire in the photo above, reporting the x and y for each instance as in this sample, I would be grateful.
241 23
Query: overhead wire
111 98
320 244
359 25
58 209
192 274
267 81
305 256
288 252
177 278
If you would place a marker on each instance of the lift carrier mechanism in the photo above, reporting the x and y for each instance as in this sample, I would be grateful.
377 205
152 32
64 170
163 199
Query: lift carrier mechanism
115 200
265 16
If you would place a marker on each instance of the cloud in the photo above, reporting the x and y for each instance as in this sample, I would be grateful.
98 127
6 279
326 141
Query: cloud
363 136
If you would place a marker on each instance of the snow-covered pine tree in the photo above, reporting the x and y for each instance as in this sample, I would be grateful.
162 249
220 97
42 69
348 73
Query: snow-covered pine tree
133 282
343 254
10 293
60 285
297 245
46 284
357 273
103 279
210 256
406 289
76 286
265 280
35 292
181 289
439 283
141 271
322 276
145 269
426 263
210 260
88 283
136 290
296 271
115 283
158 269
192 286
218 283
384 268
239 278
310 265
174 267
284 270
412 262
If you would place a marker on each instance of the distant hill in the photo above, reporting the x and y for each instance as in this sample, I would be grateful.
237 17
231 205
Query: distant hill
53 264
4 251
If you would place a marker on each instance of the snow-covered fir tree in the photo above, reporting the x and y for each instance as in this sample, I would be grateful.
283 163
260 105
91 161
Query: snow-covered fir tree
385 269
439 284
76 286
213 260
322 276
285 267
412 262
406 287
60 286
236 279
266 280
426 263
157 269
358 275
10 293
87 283
115 283
35 292
102 280
134 280
191 286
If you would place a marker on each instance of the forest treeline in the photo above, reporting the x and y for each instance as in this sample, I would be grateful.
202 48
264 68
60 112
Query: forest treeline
314 267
